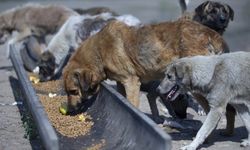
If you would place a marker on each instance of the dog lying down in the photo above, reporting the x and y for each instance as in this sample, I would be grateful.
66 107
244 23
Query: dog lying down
32 19
221 80
75 30
131 55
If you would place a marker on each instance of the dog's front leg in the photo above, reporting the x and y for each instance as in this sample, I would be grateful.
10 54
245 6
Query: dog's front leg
132 88
208 126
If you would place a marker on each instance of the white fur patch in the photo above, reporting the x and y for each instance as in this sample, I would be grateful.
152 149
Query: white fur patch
36 70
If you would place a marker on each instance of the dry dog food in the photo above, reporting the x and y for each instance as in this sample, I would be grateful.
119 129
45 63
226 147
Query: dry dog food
49 86
70 126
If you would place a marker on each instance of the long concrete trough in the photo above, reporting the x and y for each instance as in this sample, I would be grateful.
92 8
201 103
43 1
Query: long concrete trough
122 126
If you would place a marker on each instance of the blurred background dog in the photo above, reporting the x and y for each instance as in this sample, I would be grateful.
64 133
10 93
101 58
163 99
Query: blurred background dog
212 14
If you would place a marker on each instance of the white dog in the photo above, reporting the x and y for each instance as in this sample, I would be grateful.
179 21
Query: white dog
220 79
75 30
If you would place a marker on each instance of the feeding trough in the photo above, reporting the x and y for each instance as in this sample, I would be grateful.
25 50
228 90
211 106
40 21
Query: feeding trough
117 124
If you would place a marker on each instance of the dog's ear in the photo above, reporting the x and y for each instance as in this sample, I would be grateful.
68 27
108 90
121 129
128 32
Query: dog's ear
203 7
183 70
230 12
85 80
80 80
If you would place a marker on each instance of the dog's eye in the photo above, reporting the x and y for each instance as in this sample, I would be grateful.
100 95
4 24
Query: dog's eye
73 92
169 76
213 11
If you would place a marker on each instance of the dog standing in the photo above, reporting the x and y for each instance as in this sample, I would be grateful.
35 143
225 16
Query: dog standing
221 80
216 16
131 55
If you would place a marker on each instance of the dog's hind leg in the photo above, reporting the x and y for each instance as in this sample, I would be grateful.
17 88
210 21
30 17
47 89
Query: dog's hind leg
244 113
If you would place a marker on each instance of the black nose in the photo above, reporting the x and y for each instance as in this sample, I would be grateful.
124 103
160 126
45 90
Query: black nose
222 18
158 89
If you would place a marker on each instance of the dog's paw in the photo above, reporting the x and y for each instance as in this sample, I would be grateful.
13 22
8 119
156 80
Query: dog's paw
245 143
188 147
158 119
201 111
173 124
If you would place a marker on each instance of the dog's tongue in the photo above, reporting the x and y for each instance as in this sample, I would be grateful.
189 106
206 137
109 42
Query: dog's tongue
171 93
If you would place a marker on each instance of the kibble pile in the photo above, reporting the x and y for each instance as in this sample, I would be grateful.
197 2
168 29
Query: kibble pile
66 125
49 86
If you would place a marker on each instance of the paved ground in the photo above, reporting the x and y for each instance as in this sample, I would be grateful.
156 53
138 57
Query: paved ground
237 35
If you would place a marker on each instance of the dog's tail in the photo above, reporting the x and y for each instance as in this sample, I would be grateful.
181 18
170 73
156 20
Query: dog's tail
183 4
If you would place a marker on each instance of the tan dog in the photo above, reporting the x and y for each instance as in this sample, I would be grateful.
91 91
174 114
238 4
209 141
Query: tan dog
133 55
32 19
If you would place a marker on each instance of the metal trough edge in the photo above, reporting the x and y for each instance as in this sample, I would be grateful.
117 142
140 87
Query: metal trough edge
45 129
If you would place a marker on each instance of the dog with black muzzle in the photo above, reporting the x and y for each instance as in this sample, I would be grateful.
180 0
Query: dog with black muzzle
212 14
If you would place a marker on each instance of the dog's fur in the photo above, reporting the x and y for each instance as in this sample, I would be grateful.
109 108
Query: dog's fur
31 48
214 15
95 11
209 14
32 19
131 55
221 80
75 30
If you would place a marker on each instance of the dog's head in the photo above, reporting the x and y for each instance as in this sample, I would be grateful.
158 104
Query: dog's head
80 85
215 15
176 80
47 66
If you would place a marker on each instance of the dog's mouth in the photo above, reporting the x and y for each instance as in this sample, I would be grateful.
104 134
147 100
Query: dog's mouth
172 93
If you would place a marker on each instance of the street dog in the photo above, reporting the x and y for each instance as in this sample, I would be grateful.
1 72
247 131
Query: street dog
214 15
74 31
134 55
221 80
32 19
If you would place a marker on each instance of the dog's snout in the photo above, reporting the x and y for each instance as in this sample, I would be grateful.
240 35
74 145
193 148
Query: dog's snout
222 18
158 89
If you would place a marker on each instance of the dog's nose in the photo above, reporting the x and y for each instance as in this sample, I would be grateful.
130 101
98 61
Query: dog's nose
158 89
222 18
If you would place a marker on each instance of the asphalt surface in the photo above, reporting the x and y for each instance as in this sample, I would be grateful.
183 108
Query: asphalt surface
237 35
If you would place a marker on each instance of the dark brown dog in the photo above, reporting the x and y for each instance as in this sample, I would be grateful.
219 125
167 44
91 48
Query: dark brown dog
131 55
214 15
